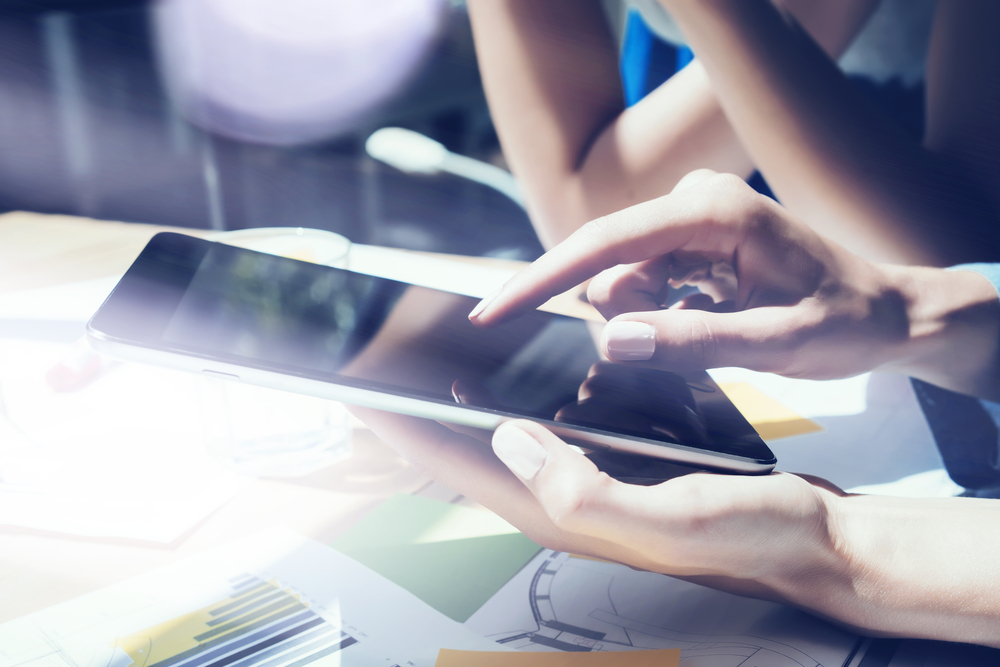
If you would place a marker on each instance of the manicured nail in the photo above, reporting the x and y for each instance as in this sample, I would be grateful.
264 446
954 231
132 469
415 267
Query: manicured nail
481 306
629 341
519 451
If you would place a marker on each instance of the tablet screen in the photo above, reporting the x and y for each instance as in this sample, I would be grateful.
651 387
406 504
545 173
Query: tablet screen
293 317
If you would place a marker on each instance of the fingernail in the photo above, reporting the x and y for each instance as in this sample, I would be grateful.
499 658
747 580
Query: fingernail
519 451
629 341
481 306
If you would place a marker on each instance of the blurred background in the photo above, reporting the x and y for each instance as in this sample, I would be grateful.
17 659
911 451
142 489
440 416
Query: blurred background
234 114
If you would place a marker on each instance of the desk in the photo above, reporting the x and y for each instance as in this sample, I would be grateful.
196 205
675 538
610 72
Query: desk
41 569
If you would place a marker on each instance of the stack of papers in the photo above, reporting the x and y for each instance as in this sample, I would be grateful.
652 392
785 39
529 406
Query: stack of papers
271 600
558 602
279 600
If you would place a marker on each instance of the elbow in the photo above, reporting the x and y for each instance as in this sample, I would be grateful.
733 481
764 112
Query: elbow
557 207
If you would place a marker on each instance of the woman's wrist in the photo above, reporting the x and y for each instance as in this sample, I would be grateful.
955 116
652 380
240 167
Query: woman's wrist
953 328
818 572
919 568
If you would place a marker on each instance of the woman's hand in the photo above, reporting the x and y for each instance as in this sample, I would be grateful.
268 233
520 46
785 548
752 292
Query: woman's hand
749 535
775 296
754 535
462 459
883 566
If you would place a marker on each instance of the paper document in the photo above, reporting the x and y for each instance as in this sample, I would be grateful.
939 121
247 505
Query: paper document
560 602
271 600
772 420
660 658
863 430
806 398
453 558
456 276
124 457
71 301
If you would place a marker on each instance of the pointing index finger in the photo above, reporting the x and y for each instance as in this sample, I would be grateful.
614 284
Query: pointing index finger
634 234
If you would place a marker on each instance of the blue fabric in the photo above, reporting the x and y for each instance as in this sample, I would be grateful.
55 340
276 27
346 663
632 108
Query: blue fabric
647 60
989 271
684 57
966 429
637 47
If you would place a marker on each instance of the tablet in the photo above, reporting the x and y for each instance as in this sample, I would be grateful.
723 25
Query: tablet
246 316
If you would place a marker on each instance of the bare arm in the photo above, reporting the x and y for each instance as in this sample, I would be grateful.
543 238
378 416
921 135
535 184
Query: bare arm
921 568
883 566
551 75
837 162
901 567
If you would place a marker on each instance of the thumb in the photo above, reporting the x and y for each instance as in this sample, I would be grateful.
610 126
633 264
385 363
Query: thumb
680 339
577 497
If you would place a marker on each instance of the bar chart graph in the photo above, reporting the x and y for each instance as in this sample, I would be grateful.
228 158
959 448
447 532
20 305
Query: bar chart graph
259 624
271 599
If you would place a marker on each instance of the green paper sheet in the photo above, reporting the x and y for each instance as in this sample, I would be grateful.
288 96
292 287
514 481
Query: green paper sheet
453 558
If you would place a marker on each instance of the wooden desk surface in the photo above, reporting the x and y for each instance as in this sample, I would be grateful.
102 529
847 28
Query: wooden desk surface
40 569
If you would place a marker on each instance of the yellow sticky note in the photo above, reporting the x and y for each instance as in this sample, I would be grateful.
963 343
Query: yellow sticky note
771 419
670 657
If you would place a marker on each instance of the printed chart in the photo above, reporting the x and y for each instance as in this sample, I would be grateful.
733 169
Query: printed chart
273 600
559 602
258 625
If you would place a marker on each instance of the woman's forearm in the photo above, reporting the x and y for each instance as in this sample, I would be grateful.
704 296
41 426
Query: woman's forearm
551 76
829 156
952 328
921 568
550 71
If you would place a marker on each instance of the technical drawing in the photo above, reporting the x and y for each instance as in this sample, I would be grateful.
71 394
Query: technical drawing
567 603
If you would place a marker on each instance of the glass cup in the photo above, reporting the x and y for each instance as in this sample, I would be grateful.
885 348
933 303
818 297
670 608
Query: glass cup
264 432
